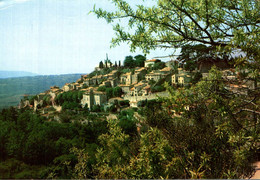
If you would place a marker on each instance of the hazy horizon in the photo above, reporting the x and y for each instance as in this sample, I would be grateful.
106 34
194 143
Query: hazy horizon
57 37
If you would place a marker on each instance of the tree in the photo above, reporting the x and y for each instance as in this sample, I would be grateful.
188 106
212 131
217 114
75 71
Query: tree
115 64
220 124
119 63
159 65
139 60
192 55
171 24
101 65
117 91
129 62
109 92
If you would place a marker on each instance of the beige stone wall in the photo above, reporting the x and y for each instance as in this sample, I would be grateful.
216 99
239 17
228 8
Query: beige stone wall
134 99
147 64
66 88
86 100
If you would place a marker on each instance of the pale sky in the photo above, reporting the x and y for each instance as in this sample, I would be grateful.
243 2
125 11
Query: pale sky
57 36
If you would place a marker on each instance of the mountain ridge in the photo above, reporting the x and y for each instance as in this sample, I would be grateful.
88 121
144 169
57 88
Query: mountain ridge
13 74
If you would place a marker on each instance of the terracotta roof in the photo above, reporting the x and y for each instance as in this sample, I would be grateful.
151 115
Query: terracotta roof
237 86
55 90
126 74
124 85
116 98
99 92
78 80
98 76
147 87
113 72
166 69
139 84
140 69
153 74
83 89
151 60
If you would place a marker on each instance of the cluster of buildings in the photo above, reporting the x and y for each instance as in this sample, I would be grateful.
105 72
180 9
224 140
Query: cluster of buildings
135 84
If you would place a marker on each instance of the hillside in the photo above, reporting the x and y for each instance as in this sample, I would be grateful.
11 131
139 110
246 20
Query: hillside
12 89
12 74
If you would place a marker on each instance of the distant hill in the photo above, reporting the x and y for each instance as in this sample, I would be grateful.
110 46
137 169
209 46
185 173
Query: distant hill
11 74
13 89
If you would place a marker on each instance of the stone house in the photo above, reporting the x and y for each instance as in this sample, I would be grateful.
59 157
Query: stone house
154 76
84 77
166 70
112 74
92 98
67 87
97 79
182 77
106 83
229 74
88 81
137 89
145 91
126 78
114 82
151 62
125 88
76 86
139 74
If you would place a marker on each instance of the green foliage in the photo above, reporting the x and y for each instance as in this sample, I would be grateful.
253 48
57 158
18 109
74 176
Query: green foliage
196 78
109 93
96 108
101 65
102 88
124 103
31 99
70 100
171 24
117 91
139 60
129 62
158 89
159 65
132 62
35 143
114 154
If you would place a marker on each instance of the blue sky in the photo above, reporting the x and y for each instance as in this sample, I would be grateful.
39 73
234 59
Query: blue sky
56 36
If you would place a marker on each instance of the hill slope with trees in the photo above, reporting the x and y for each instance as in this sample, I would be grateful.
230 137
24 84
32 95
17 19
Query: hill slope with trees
13 89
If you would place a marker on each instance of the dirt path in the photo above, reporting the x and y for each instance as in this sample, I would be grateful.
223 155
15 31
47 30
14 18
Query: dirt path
257 173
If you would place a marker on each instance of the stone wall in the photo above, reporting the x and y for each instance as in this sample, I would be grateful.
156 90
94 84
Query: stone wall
134 99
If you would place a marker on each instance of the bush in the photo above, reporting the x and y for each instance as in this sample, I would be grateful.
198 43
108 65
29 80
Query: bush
158 89
96 108
124 103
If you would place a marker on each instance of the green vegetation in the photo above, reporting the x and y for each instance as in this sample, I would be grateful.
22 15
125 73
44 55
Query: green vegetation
208 130
137 61
13 89
111 92
32 147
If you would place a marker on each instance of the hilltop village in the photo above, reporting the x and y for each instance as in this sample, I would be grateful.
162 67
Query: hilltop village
112 86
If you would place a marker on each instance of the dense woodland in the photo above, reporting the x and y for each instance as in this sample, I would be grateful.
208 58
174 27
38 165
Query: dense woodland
213 140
